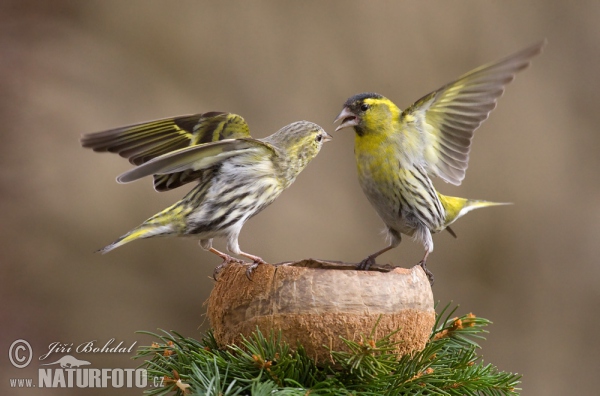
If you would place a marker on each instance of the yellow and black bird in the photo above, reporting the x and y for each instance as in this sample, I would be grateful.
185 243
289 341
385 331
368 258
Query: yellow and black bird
236 176
397 151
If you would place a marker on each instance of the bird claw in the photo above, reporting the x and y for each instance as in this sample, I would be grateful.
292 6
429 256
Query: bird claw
427 272
366 264
226 262
219 268
252 267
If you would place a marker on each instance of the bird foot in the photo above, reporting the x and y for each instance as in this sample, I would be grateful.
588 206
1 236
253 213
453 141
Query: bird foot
227 260
252 267
427 272
366 264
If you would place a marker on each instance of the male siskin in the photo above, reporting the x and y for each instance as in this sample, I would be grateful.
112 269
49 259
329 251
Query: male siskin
397 152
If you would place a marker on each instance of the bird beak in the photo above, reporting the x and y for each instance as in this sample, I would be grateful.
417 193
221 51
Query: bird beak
327 137
348 119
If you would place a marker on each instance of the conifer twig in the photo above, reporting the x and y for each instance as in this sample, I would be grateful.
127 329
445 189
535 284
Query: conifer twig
449 365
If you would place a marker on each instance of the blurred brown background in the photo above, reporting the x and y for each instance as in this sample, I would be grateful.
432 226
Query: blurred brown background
69 67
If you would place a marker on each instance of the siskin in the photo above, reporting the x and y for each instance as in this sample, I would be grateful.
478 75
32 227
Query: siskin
398 151
237 176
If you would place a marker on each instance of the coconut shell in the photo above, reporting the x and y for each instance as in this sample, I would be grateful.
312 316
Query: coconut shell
314 303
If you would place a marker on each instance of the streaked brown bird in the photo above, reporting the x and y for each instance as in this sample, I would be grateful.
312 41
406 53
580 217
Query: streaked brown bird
236 175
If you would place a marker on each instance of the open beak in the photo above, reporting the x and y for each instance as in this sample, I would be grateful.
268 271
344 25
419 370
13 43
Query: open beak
348 119
327 137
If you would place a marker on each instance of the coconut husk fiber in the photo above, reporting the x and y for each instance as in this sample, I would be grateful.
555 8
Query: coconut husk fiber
314 302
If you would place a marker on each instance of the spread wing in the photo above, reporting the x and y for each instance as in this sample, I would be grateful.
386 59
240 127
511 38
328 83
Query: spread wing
145 141
444 120
198 158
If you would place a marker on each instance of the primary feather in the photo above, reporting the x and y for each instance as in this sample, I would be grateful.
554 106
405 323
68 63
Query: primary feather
443 121
146 141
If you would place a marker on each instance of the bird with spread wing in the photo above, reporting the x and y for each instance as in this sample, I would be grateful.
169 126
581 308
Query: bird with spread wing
397 152
236 175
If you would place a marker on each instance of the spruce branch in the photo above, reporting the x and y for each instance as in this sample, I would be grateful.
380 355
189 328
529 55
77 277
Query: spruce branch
264 365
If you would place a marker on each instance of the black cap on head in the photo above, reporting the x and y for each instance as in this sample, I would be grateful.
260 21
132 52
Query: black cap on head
362 96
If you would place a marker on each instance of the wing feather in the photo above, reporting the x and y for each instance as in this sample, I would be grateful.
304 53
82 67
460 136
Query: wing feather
152 135
196 158
444 120
143 142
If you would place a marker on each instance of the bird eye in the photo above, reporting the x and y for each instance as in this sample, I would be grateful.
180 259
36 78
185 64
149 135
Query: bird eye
364 107
319 138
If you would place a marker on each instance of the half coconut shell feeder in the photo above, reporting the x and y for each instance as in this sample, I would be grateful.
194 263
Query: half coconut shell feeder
314 303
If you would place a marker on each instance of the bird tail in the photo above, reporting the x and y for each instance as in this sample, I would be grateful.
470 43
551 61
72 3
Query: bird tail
457 207
161 224
143 231
476 204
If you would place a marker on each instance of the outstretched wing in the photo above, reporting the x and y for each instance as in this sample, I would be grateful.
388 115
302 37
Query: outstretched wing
145 141
196 158
443 121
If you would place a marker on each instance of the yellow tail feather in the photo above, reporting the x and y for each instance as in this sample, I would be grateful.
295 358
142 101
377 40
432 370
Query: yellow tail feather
143 231
457 207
